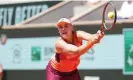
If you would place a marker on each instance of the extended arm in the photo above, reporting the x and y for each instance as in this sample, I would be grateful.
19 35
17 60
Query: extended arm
64 47
87 36
70 49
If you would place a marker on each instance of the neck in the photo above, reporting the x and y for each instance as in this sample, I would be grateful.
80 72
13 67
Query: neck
69 39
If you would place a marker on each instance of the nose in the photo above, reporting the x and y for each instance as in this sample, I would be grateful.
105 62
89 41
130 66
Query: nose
63 28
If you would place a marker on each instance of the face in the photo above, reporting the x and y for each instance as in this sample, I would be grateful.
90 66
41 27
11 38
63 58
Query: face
65 30
3 40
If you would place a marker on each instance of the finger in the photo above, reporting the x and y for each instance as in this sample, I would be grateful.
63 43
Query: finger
99 31
96 37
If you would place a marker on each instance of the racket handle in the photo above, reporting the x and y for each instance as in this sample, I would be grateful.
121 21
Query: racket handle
102 28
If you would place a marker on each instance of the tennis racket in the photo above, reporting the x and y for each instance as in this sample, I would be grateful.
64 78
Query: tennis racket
107 23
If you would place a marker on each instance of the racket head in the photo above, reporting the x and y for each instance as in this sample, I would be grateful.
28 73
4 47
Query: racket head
108 24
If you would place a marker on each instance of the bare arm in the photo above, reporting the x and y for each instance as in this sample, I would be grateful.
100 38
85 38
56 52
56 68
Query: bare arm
84 35
87 36
62 46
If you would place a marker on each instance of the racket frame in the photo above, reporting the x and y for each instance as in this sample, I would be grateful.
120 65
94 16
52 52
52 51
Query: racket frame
103 26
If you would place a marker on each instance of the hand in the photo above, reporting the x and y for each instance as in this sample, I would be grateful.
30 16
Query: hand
97 37
100 34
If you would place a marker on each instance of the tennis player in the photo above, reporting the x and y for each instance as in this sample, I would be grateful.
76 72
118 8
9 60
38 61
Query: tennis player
68 49
1 72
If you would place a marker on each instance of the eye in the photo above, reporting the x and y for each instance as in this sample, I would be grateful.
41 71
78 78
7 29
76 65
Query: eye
60 27
65 25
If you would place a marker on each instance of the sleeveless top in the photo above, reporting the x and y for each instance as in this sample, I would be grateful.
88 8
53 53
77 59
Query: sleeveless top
66 63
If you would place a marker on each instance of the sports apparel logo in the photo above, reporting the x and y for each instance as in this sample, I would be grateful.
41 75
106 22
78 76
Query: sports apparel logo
36 53
130 56
17 52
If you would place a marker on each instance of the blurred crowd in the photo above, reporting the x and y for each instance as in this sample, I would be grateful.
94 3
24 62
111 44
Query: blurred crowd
126 10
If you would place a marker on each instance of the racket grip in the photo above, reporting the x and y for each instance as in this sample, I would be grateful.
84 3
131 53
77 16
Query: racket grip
102 27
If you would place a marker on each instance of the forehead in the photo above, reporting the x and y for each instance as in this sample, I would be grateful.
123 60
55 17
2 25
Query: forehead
64 24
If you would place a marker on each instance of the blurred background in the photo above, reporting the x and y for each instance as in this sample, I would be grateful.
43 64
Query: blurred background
28 34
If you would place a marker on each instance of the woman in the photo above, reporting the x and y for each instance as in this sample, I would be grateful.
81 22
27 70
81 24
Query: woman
68 49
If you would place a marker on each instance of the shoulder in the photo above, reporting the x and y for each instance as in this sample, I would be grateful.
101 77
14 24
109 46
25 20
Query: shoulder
58 45
59 40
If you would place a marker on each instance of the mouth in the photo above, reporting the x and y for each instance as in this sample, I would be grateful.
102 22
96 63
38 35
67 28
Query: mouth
64 32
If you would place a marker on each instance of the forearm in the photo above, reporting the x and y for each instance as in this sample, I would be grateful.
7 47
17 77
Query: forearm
87 38
80 50
84 35
85 47
72 49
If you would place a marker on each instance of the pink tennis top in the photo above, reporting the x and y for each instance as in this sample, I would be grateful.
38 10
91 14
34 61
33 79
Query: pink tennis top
66 63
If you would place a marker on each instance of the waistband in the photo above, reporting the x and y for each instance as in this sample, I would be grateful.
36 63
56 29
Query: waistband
49 67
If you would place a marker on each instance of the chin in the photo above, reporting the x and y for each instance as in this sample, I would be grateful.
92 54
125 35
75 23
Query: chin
64 36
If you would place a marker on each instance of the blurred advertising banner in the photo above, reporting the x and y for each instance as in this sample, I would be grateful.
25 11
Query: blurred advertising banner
11 14
91 78
108 54
34 53
128 53
27 53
